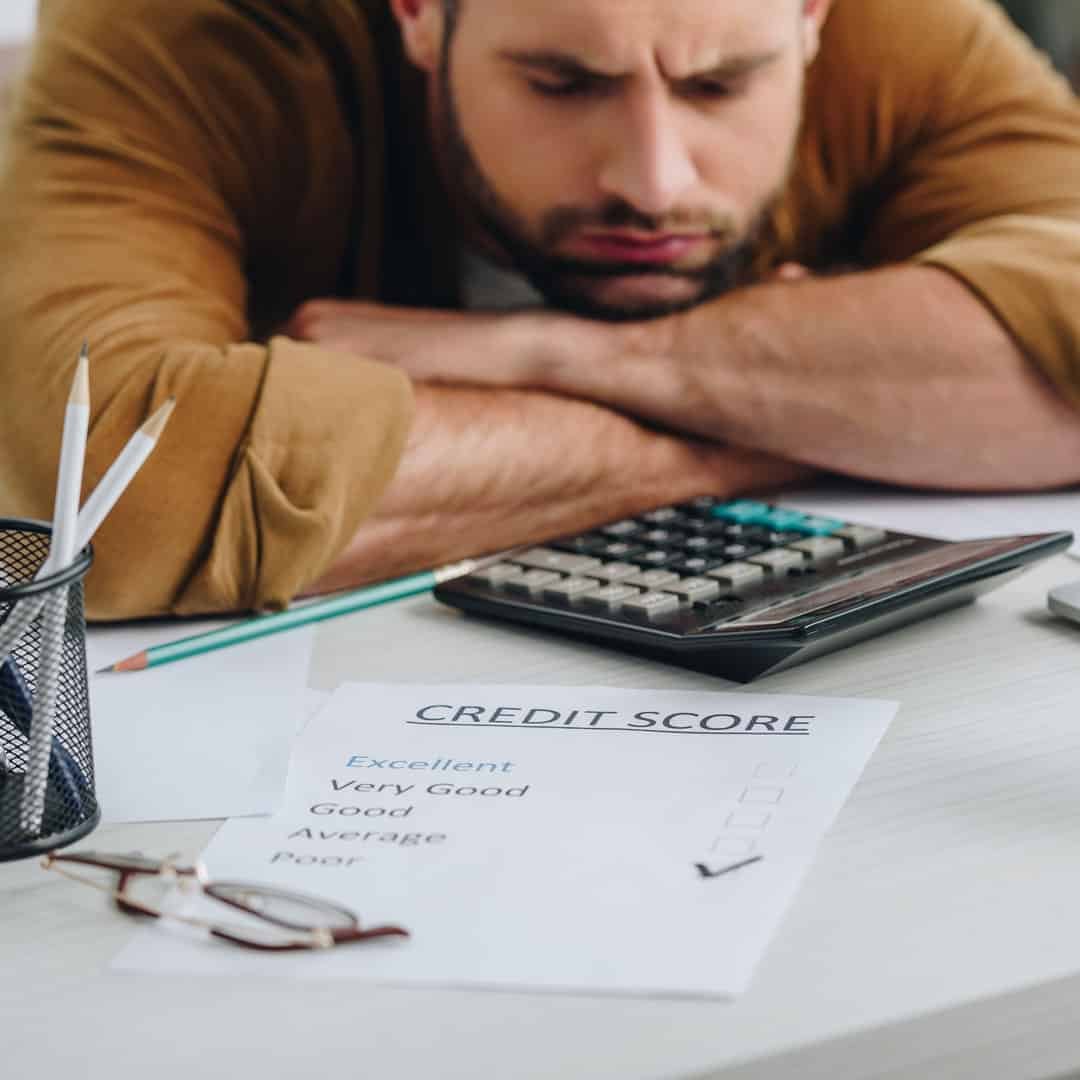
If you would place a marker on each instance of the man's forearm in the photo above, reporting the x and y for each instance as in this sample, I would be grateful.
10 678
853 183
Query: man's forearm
899 375
491 469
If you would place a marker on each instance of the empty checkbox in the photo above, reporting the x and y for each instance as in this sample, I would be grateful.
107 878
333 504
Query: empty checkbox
734 845
771 770
761 793
748 819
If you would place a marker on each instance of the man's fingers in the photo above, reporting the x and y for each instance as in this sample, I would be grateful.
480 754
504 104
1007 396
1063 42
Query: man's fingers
737 471
311 320
790 271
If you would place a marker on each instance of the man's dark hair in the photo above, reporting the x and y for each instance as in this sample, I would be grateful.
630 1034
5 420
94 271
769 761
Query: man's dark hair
451 10
451 14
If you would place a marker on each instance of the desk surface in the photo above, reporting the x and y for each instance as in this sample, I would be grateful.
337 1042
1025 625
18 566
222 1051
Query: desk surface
936 935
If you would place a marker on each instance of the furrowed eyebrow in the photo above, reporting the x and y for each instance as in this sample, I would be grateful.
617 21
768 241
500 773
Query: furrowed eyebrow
556 62
563 64
735 68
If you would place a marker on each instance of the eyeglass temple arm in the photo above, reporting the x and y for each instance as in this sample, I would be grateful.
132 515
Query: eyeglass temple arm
325 939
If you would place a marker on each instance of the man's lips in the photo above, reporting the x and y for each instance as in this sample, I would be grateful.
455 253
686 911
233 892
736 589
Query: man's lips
651 249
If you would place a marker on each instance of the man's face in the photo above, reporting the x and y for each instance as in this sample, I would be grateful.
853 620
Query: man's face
621 153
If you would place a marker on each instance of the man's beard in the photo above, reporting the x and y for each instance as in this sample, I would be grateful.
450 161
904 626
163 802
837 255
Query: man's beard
559 279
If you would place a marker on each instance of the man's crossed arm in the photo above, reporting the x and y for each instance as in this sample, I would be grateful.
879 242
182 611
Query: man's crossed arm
486 470
899 375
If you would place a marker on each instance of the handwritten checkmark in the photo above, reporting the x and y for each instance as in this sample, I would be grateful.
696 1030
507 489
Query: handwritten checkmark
709 872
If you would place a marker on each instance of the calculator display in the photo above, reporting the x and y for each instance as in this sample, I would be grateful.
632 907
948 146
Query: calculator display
875 584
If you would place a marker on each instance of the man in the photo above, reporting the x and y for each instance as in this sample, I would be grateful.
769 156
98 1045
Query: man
679 179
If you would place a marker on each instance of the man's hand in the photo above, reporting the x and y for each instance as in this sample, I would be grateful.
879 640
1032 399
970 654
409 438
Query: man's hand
504 350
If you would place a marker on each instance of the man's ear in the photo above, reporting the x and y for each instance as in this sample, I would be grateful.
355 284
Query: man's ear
814 14
422 27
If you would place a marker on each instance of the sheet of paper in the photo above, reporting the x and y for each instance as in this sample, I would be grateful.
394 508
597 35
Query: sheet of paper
205 737
579 839
953 517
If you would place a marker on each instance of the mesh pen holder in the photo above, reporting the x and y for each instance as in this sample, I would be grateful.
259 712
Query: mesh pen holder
46 802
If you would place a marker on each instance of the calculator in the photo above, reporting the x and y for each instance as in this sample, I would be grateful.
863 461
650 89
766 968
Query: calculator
738 588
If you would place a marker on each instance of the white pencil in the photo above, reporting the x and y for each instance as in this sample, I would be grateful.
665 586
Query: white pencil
72 456
96 508
61 552
121 472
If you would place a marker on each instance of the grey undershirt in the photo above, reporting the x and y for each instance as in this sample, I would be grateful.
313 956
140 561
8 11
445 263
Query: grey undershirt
487 287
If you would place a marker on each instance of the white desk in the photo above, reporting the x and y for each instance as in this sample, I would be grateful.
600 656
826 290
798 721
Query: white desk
937 935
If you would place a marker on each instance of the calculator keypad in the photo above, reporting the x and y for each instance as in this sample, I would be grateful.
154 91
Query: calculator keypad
708 555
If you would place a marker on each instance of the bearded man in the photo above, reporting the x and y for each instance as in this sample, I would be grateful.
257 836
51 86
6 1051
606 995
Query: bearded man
429 278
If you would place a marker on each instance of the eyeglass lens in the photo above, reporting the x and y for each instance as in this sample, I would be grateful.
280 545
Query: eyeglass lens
296 911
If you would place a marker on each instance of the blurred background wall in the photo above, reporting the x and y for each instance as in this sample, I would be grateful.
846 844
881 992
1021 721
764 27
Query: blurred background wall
16 19
1054 24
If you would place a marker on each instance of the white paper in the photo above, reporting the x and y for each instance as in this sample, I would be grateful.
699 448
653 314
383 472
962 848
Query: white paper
544 850
951 517
205 737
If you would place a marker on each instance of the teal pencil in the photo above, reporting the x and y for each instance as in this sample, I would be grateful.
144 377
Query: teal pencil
317 611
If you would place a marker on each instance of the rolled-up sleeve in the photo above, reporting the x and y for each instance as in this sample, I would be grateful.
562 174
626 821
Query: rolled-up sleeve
166 175
961 148
1026 269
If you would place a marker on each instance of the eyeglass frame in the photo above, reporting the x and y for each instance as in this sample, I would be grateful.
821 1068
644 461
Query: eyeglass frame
313 938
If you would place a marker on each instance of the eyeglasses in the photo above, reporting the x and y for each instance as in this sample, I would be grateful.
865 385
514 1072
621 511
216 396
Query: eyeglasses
284 921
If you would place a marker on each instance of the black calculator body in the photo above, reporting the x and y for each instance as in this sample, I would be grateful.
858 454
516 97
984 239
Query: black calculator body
739 589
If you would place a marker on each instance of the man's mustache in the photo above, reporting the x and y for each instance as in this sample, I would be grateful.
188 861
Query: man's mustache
563 221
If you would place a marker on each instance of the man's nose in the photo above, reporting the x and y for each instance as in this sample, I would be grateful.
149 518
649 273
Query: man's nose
649 164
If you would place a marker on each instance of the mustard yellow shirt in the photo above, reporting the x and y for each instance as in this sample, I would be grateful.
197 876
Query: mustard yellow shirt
178 175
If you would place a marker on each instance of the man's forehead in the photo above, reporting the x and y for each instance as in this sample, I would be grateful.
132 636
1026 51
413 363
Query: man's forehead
617 34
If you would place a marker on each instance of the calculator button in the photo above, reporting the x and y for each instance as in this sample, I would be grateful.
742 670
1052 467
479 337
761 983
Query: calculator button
610 597
622 529
779 562
621 550
697 565
860 536
662 538
698 544
820 526
738 576
695 590
782 539
684 523
589 544
820 549
741 534
739 552
569 589
652 604
661 517
533 581
497 575
547 559
613 571
742 512
785 520
654 560
653 579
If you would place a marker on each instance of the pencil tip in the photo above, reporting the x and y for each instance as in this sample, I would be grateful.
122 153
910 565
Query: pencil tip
80 385
139 662
84 352
103 670
156 424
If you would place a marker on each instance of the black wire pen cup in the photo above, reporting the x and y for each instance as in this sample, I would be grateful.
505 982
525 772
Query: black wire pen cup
48 803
